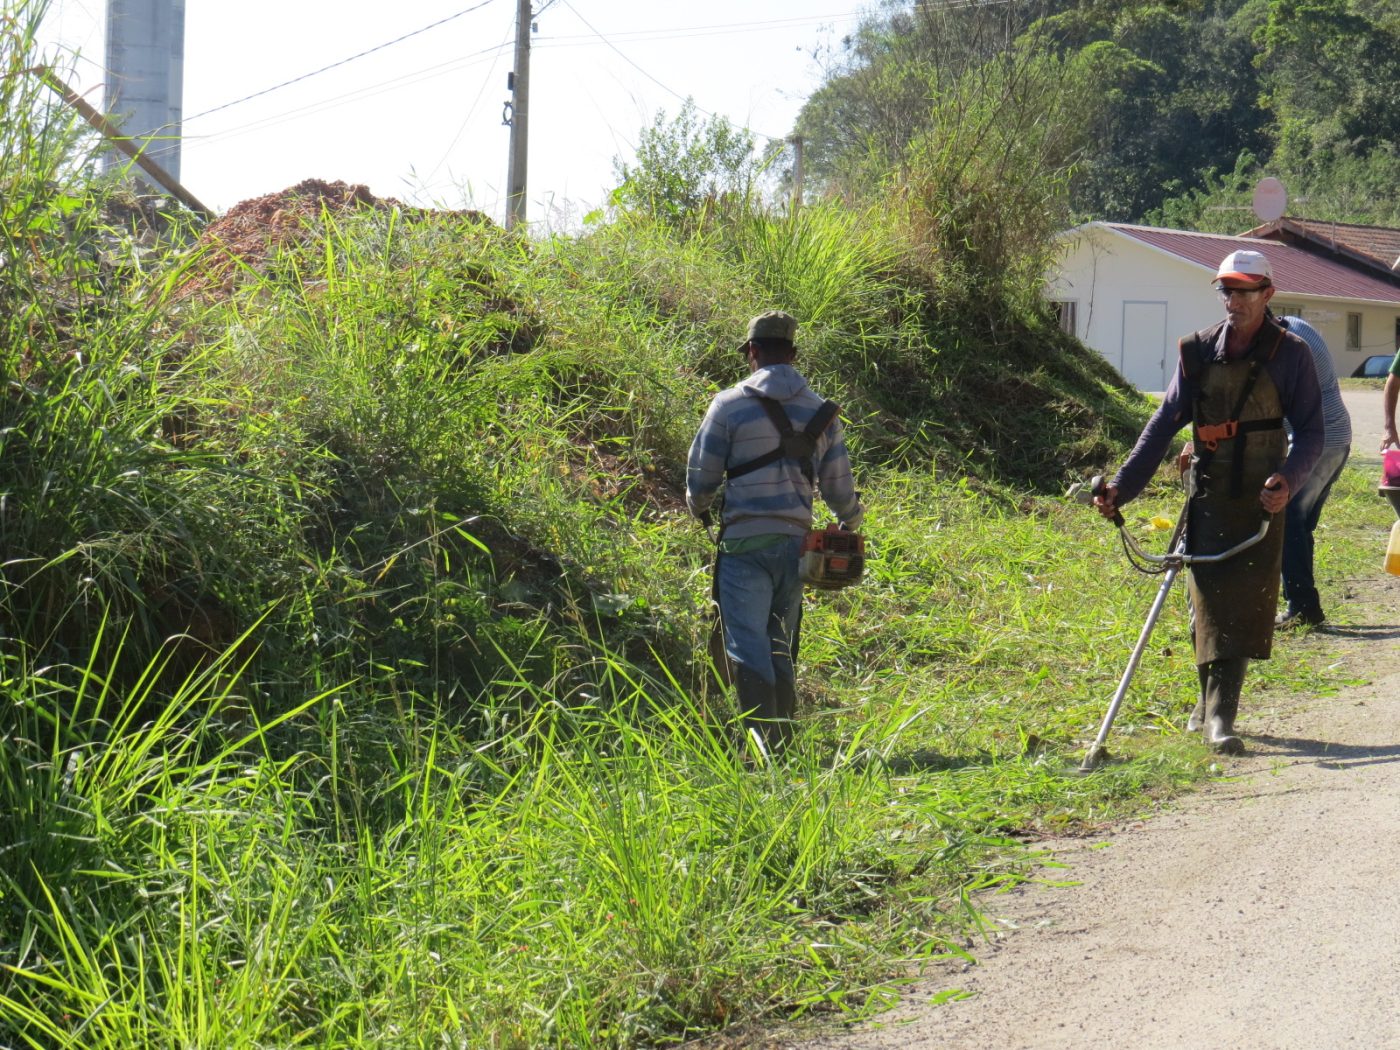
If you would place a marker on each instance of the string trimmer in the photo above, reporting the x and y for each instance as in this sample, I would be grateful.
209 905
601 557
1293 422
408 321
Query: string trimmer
1168 566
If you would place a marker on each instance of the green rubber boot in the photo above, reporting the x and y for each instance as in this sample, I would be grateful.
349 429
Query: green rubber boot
1225 678
758 701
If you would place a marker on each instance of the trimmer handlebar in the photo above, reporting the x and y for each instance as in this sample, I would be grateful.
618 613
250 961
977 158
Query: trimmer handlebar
1182 558
1171 564
1096 486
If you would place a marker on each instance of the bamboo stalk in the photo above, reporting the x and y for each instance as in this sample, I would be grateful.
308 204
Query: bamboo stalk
113 134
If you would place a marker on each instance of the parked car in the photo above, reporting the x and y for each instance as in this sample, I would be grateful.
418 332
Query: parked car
1377 366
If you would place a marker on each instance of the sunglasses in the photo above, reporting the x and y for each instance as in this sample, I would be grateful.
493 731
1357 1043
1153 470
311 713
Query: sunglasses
1225 293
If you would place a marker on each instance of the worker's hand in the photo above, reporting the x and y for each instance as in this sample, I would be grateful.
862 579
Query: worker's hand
1183 458
1106 502
1274 495
1389 439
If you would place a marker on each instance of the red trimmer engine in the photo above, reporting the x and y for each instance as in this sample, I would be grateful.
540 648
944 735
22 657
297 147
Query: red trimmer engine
832 558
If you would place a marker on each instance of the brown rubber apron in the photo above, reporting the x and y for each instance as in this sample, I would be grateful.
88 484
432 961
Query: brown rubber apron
1235 601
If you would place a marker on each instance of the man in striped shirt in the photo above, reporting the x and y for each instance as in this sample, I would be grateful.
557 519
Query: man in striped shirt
767 511
1304 606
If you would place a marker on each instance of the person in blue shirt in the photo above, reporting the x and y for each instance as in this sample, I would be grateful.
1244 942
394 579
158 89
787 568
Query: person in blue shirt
1303 605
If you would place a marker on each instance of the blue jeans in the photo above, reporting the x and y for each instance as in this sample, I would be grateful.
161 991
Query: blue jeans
1299 520
760 604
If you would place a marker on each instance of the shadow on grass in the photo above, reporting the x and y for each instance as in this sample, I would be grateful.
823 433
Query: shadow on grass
926 760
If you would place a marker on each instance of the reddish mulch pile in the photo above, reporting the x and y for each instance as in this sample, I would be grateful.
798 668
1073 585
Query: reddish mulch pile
252 232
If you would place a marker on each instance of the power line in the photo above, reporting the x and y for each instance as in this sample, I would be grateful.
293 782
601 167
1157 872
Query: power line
684 32
637 35
343 61
475 102
639 69
312 108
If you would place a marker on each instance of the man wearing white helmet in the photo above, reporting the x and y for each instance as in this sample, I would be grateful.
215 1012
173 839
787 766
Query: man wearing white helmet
1235 383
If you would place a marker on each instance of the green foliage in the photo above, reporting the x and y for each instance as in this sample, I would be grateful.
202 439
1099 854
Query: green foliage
1330 66
1353 189
875 102
1169 92
1219 205
350 694
984 184
1157 100
686 164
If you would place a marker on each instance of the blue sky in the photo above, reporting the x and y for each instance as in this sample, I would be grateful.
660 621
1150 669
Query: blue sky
420 120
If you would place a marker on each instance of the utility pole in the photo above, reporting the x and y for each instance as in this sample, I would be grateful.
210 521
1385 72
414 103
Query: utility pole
796 141
519 107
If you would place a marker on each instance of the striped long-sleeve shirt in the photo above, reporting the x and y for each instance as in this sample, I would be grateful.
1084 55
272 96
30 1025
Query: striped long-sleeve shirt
776 498
1336 420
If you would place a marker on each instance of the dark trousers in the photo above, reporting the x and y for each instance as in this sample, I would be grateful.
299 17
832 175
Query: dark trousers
1299 521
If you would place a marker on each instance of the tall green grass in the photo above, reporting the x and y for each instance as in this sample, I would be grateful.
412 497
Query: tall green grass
592 879
608 872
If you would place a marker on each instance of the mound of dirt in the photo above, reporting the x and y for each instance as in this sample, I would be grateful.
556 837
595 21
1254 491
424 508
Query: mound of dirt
254 231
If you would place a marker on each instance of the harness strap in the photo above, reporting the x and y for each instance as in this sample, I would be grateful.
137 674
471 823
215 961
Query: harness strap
787 446
1211 434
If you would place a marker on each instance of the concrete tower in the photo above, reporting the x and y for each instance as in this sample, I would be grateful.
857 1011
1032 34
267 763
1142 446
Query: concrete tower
146 76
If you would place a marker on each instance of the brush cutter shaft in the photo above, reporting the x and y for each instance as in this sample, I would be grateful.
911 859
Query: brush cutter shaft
1152 616
1172 564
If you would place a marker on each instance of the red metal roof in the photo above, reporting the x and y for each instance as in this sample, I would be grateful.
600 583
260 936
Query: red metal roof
1295 269
1378 244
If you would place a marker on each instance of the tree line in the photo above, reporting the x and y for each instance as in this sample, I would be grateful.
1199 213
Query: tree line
1162 112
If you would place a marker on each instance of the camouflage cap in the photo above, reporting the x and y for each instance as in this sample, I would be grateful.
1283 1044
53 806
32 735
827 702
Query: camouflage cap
772 324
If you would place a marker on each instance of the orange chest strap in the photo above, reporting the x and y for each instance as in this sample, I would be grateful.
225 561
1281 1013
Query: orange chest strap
1212 434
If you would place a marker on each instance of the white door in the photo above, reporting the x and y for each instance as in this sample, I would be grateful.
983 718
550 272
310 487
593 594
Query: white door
1143 360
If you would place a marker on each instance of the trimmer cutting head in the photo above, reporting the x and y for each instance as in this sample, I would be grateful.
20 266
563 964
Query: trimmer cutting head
1096 756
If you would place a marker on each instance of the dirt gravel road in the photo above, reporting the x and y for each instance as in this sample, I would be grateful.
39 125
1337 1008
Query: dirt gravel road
1366 408
1262 912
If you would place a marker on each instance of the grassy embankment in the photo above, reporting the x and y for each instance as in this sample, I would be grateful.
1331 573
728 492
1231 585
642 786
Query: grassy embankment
350 691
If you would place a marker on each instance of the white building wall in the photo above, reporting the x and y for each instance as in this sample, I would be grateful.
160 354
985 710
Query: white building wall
1110 277
1329 317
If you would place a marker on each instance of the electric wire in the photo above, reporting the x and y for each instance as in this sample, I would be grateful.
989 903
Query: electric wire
343 61
633 36
312 109
461 130
321 106
358 95
684 98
